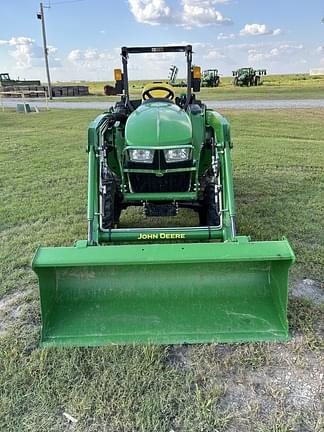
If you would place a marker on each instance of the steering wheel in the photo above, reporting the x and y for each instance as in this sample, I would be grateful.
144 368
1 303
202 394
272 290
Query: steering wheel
148 95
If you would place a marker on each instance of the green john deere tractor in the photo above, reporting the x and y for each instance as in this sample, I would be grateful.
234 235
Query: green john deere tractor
190 284
248 77
210 78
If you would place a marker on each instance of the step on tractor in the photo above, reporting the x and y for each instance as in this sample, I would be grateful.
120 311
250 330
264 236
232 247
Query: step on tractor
210 78
169 284
248 77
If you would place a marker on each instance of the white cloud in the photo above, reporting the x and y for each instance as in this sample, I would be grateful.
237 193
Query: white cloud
151 12
14 41
214 54
226 36
193 13
277 32
277 57
91 58
159 58
97 64
254 29
246 46
202 13
74 56
28 54
282 51
257 30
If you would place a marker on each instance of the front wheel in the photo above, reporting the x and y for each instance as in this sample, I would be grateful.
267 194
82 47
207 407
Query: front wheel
111 203
209 212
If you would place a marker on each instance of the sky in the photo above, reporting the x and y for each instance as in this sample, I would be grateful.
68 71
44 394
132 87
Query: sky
84 36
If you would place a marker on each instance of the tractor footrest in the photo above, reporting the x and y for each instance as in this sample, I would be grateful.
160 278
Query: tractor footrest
152 209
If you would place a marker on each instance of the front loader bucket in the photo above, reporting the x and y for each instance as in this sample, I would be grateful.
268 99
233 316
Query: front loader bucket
164 293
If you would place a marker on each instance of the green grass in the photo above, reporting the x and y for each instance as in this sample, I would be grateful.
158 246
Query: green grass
294 86
279 177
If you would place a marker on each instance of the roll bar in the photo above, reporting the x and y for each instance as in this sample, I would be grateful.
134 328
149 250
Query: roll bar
187 49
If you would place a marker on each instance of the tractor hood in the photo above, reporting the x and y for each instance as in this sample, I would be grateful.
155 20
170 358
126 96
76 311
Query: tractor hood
158 123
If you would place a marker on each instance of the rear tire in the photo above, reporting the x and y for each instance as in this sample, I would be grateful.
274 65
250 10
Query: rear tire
111 202
209 213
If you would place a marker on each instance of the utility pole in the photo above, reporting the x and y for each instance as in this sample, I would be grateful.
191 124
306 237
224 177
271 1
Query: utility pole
41 16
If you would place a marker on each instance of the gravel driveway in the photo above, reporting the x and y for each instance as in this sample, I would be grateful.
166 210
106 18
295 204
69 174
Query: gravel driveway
230 104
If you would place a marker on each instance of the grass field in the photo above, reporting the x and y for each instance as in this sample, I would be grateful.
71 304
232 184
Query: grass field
279 180
296 86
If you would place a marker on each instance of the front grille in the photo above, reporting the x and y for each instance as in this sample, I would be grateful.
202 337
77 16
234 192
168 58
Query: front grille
171 182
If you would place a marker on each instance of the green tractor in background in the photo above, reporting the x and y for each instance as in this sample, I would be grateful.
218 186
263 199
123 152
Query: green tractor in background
172 78
248 77
210 78
168 284
6 81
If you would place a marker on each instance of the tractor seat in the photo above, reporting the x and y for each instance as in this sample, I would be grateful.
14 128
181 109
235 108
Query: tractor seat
158 90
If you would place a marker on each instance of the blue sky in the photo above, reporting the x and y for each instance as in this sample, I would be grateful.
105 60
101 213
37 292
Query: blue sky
85 36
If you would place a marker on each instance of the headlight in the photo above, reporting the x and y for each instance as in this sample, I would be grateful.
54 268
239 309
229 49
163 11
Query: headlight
177 155
139 155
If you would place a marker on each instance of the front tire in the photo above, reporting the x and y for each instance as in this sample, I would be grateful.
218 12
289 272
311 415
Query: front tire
209 213
111 202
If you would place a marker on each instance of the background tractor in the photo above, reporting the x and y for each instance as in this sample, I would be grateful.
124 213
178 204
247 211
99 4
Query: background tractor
6 81
34 88
210 78
109 90
248 77
170 284
172 78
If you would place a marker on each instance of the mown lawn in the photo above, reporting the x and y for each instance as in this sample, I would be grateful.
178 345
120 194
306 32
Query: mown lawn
220 94
293 86
279 180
